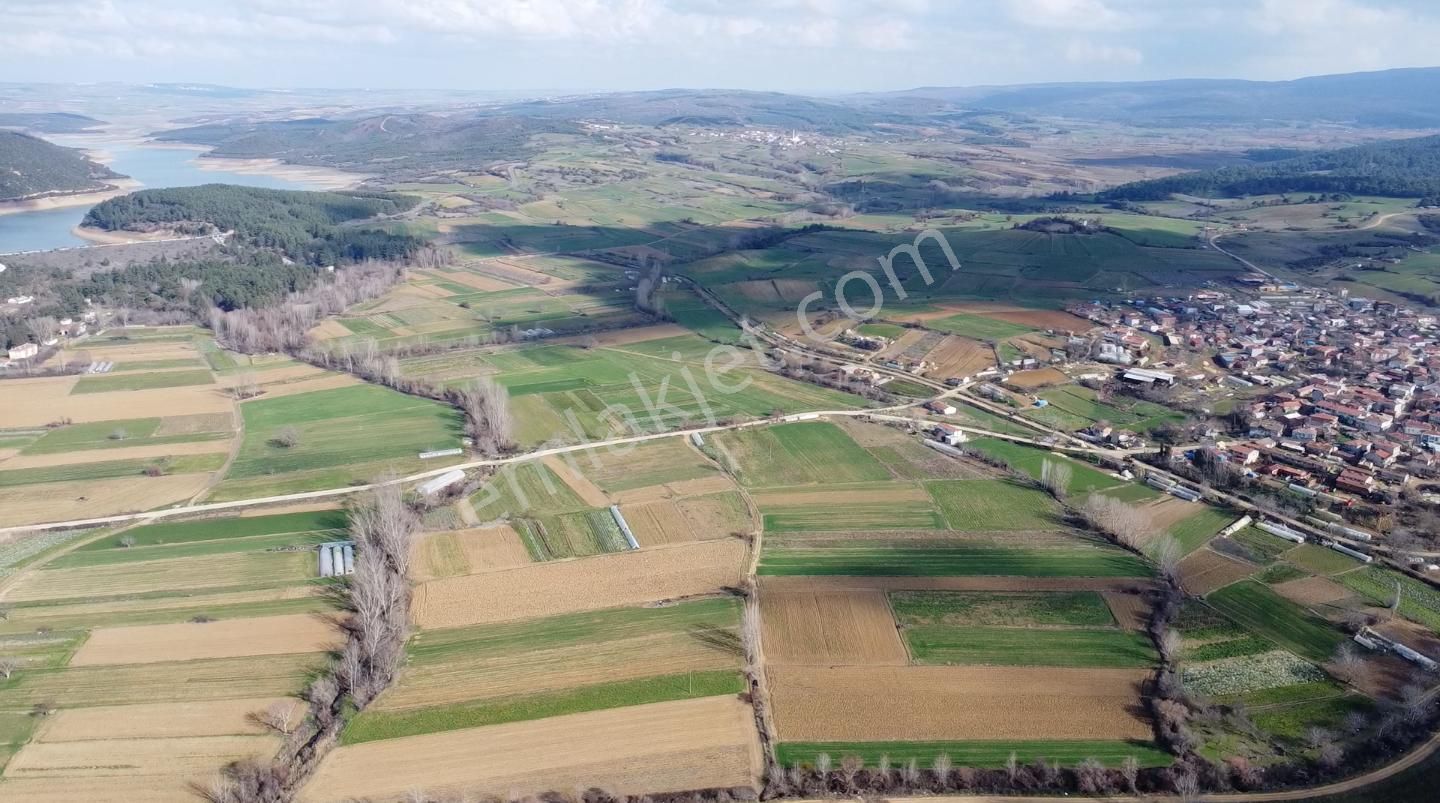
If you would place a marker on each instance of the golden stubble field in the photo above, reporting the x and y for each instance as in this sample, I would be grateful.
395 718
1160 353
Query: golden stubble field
190 641
586 584
925 703
688 744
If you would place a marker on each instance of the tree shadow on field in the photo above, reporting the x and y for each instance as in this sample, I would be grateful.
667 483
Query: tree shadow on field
718 638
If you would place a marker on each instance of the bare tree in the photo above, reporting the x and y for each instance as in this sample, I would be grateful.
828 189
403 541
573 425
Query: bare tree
1055 478
942 767
8 666
188 288
246 386
281 717
487 416
287 437
1130 771
1122 522
1170 646
1349 665
44 328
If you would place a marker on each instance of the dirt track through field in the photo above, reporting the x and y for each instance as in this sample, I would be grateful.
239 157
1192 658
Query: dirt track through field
162 720
587 584
689 744
191 641
839 627
926 703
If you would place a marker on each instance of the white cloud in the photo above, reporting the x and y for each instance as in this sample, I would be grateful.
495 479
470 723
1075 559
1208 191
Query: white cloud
1083 51
1084 15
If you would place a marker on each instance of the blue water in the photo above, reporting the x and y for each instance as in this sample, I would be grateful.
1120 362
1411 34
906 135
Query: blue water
154 167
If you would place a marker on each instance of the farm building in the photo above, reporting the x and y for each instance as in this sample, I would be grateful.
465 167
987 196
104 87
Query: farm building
440 483
1145 376
24 351
952 436
940 408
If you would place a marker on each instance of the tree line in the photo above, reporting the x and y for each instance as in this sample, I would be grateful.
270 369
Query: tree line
1408 168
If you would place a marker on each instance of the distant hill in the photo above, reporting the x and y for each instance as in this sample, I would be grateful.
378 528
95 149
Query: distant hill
711 107
1390 98
1407 168
32 167
48 122
393 143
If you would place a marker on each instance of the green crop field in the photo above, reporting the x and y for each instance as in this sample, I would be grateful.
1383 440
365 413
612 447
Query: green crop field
1262 547
1197 530
643 465
110 469
977 327
980 755
799 454
345 435
1320 560
1073 629
900 515
942 558
180 532
112 435
141 381
1283 622
1084 478
1083 407
377 724
523 488
983 505
1002 609
1419 601
1027 646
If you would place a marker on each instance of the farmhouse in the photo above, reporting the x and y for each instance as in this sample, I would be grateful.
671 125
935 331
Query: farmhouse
940 408
24 351
952 436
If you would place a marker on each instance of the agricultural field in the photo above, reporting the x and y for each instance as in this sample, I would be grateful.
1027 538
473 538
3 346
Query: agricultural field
1073 407
565 392
162 641
340 435
933 612
73 447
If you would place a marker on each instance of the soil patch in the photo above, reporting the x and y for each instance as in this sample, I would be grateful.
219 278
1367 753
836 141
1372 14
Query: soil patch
844 626
1203 571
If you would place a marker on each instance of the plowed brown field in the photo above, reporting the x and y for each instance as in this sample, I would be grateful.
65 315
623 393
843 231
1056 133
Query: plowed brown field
662 747
1312 591
587 584
1039 378
1131 611
960 356
950 702
658 523
1203 571
844 626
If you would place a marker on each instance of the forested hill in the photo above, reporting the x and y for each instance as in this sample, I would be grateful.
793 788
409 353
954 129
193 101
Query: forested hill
1408 168
305 226
32 167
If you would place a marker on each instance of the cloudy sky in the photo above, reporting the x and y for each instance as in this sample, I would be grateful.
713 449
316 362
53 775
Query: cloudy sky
815 45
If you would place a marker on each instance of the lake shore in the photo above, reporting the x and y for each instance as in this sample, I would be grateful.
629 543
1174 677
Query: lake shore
318 177
103 237
118 187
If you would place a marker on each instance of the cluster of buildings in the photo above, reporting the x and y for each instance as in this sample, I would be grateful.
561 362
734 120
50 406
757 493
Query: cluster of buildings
1333 394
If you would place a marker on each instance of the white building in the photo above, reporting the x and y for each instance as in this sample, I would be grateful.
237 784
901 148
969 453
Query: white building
24 351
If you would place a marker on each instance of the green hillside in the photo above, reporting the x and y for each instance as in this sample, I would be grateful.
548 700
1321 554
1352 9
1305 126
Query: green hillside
30 166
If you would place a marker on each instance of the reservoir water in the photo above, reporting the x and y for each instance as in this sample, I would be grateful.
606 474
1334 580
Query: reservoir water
152 166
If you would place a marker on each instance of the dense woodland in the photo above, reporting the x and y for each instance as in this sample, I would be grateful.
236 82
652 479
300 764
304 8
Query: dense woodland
31 166
304 226
1407 168
284 243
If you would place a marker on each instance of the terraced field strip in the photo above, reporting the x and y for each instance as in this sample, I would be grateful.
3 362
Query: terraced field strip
162 720
977 505
218 679
508 660
955 558
1029 629
977 754
671 746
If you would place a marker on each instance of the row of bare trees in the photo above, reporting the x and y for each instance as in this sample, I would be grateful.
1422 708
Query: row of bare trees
284 326
487 416
376 626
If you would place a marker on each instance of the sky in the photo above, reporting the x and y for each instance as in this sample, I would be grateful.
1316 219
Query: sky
787 45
